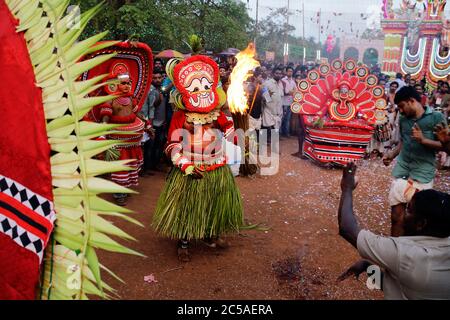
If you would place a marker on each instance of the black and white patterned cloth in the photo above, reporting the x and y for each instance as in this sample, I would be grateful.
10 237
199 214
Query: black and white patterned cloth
17 224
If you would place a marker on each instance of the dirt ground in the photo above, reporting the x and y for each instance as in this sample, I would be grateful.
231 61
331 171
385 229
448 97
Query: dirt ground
298 257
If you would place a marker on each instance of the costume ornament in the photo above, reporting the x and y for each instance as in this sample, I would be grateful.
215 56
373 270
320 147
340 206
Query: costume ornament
340 104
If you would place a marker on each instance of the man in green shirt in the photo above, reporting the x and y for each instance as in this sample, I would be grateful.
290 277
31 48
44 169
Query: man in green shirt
416 162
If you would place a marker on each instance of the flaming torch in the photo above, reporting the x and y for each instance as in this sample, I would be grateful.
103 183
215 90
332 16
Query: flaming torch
238 99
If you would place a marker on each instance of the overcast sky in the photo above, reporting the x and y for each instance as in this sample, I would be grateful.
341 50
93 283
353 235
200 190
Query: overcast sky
348 23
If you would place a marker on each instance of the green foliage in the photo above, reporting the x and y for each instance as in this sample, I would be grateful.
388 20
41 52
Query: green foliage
164 24
274 31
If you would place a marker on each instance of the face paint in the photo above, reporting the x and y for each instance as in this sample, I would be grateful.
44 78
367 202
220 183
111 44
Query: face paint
196 78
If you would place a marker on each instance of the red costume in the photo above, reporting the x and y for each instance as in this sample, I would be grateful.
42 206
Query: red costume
340 105
132 66
26 199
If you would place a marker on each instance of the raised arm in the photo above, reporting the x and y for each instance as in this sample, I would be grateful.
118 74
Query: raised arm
348 226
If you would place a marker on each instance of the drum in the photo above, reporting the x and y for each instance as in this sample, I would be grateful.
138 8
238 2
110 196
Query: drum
382 132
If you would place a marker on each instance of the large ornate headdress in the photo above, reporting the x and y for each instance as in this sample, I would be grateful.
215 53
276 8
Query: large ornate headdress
341 94
340 104
196 81
134 60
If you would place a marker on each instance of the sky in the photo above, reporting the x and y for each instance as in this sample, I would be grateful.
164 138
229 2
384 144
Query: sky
346 23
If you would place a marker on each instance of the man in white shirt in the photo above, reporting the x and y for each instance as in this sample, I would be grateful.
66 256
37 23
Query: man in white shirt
415 266
272 110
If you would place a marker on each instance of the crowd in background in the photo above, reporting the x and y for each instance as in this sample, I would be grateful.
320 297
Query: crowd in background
270 94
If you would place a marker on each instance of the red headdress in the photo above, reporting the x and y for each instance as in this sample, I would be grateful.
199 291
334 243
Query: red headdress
196 78
134 61
340 104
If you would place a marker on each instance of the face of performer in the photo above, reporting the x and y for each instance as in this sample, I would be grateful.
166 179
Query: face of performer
157 80
393 87
343 90
125 86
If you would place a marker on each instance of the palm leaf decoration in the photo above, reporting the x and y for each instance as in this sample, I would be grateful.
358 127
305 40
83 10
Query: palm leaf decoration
195 44
71 267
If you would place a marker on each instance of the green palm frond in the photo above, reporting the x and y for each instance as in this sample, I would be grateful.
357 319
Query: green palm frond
71 267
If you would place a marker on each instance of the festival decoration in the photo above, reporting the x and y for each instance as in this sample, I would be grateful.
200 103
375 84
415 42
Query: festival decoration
55 176
330 43
416 35
340 104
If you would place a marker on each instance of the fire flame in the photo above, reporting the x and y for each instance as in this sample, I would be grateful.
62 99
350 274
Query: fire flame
236 97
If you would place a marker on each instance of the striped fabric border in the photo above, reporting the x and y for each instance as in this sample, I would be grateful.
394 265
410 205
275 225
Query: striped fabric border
25 216
336 145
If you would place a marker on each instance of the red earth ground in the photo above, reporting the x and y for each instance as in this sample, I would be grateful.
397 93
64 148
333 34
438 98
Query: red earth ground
298 256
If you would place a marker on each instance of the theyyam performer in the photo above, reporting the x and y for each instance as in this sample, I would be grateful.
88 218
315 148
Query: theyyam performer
200 199
129 79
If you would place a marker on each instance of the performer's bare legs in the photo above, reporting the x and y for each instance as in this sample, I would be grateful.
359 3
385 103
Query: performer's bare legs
301 139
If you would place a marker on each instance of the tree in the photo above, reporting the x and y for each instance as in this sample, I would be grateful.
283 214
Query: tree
165 24
272 31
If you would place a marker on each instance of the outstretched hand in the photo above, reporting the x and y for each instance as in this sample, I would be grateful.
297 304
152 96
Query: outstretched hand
355 270
442 133
348 177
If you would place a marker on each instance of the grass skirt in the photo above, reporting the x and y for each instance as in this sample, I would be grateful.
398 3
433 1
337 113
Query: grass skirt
191 208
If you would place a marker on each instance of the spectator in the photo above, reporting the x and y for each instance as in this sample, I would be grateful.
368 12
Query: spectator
416 265
155 109
424 101
416 164
256 91
298 76
436 92
393 114
224 76
288 86
399 80
441 97
273 107
158 64
407 79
